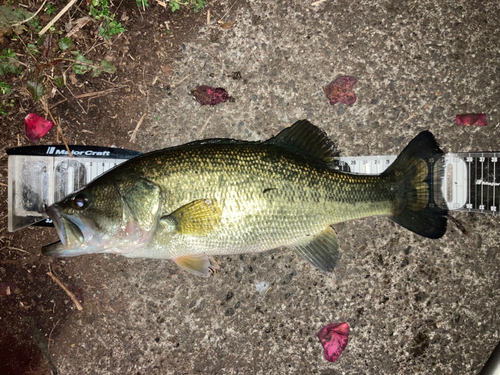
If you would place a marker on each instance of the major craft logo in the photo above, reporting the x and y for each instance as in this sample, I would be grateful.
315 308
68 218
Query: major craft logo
52 150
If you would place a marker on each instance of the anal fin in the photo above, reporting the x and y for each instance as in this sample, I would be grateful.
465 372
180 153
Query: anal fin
321 250
198 264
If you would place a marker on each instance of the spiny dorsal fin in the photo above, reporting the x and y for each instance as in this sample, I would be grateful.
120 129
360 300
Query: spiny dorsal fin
305 138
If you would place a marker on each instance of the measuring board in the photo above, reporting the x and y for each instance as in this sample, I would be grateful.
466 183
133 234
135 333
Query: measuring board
469 182
42 175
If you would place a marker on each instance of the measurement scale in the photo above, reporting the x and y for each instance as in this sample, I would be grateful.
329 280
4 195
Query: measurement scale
42 175
469 182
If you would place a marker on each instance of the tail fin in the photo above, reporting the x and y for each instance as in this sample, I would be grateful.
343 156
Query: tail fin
415 174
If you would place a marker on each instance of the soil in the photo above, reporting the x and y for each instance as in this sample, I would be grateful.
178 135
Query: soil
413 303
33 306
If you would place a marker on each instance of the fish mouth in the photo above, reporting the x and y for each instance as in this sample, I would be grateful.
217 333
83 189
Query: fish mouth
73 233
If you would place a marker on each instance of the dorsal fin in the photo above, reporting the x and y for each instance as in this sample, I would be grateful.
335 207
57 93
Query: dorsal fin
305 138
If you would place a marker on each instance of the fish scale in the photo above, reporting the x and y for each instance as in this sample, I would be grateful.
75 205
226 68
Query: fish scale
219 196
306 195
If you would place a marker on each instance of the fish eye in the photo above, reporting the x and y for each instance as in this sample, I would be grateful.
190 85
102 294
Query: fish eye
80 201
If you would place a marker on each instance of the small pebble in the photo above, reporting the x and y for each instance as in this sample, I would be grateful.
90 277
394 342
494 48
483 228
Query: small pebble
262 287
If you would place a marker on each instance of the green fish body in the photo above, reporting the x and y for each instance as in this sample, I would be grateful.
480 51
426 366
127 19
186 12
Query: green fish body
221 196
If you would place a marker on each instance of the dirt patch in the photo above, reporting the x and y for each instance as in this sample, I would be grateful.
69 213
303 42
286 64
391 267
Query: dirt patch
101 111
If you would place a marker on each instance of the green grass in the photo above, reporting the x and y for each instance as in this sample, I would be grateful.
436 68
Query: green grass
5 89
46 58
50 9
99 9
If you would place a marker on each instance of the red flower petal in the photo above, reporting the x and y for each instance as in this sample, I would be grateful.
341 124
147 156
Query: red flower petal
334 338
472 119
340 90
207 95
36 127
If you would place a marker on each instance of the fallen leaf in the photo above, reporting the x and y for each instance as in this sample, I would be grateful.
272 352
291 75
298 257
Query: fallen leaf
472 119
334 339
72 78
207 95
36 127
227 25
74 27
340 90
10 15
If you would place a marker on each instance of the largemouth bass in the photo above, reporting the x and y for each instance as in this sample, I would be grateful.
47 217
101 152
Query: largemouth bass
221 196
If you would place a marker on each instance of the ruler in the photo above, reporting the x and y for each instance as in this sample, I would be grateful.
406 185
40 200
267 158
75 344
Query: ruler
470 179
42 175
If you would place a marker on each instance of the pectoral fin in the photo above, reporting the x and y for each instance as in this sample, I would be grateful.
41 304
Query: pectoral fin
198 264
321 250
196 218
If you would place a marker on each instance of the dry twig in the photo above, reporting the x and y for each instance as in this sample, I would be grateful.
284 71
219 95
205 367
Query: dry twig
59 15
134 133
29 19
59 130
204 126
220 21
77 101
59 102
95 94
408 119
70 295
16 249
50 334
182 80
79 24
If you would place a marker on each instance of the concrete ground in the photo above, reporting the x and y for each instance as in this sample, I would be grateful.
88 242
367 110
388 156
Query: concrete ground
415 305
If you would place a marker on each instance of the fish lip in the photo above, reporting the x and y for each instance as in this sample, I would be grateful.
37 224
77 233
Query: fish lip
56 218
55 249
69 232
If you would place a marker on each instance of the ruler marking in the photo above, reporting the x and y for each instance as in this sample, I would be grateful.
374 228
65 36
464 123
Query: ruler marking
63 177
494 161
494 180
481 163
469 172
476 166
488 189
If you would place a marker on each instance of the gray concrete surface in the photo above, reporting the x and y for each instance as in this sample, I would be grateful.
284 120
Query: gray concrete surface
416 306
